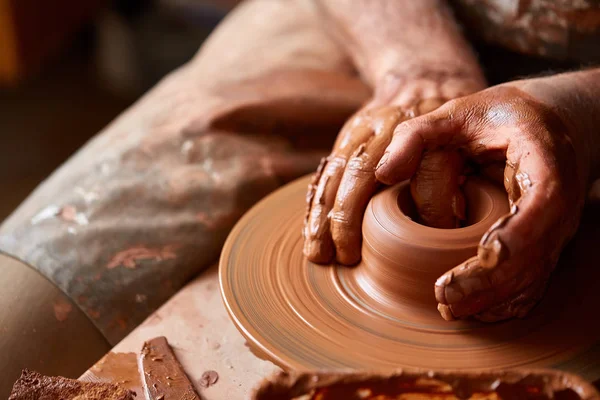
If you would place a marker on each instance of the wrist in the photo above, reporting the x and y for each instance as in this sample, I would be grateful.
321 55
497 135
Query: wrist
422 85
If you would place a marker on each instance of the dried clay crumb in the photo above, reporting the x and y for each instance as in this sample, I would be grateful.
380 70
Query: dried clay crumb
208 379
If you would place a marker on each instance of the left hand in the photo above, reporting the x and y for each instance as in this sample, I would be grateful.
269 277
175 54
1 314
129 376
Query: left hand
344 183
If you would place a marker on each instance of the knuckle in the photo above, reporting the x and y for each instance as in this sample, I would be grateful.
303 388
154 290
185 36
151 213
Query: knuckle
361 164
334 164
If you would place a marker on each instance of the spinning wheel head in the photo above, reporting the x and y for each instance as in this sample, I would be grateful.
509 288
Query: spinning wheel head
381 315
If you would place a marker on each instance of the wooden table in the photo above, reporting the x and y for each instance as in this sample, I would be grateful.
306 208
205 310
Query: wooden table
203 337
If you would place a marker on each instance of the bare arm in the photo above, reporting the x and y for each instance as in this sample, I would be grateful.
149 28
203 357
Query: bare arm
396 43
575 97
414 57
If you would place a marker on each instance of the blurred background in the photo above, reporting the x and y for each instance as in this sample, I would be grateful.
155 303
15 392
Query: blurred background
68 67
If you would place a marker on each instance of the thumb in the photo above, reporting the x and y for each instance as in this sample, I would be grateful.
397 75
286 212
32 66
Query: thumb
436 189
437 129
518 252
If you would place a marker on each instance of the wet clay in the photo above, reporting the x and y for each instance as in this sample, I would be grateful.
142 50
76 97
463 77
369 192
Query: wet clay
420 385
436 190
381 315
118 368
402 259
33 386
162 375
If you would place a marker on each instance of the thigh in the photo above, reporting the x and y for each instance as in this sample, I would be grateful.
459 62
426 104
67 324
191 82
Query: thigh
147 203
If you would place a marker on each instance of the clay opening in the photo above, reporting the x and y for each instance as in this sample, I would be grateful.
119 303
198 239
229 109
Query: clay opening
477 206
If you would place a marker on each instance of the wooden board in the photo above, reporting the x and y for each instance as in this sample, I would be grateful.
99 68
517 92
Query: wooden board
203 338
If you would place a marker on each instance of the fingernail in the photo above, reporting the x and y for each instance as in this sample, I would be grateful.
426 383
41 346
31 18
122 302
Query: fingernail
444 279
440 287
445 312
318 251
383 160
347 256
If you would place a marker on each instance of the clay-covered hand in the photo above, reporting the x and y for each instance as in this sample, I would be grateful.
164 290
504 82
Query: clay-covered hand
413 55
538 132
345 181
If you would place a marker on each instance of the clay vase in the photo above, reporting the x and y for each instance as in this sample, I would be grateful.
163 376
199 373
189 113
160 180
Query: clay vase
401 258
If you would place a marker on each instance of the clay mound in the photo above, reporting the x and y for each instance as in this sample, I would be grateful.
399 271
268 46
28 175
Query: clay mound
33 386
422 385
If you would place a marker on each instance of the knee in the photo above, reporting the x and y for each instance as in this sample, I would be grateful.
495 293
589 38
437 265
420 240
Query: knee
40 328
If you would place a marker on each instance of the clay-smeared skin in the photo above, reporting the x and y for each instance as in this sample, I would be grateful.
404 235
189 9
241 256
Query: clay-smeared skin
382 38
548 157
147 204
421 385
435 189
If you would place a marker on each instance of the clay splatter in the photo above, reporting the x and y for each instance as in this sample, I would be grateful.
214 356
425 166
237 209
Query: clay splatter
69 213
208 379
130 257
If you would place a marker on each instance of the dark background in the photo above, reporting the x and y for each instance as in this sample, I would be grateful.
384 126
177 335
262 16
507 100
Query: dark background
105 62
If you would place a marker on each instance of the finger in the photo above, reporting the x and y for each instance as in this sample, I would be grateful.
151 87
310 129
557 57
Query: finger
318 243
517 306
436 189
403 156
358 185
518 249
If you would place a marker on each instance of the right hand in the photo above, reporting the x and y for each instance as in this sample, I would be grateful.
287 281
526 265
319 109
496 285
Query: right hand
519 127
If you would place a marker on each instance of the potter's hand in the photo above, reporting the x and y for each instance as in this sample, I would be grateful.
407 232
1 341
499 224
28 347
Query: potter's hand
414 56
343 184
345 181
540 131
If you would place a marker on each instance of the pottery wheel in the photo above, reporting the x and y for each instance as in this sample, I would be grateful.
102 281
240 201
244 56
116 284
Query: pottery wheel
305 316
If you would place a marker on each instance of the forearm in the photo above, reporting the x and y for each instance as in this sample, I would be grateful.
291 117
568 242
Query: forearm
574 96
403 40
